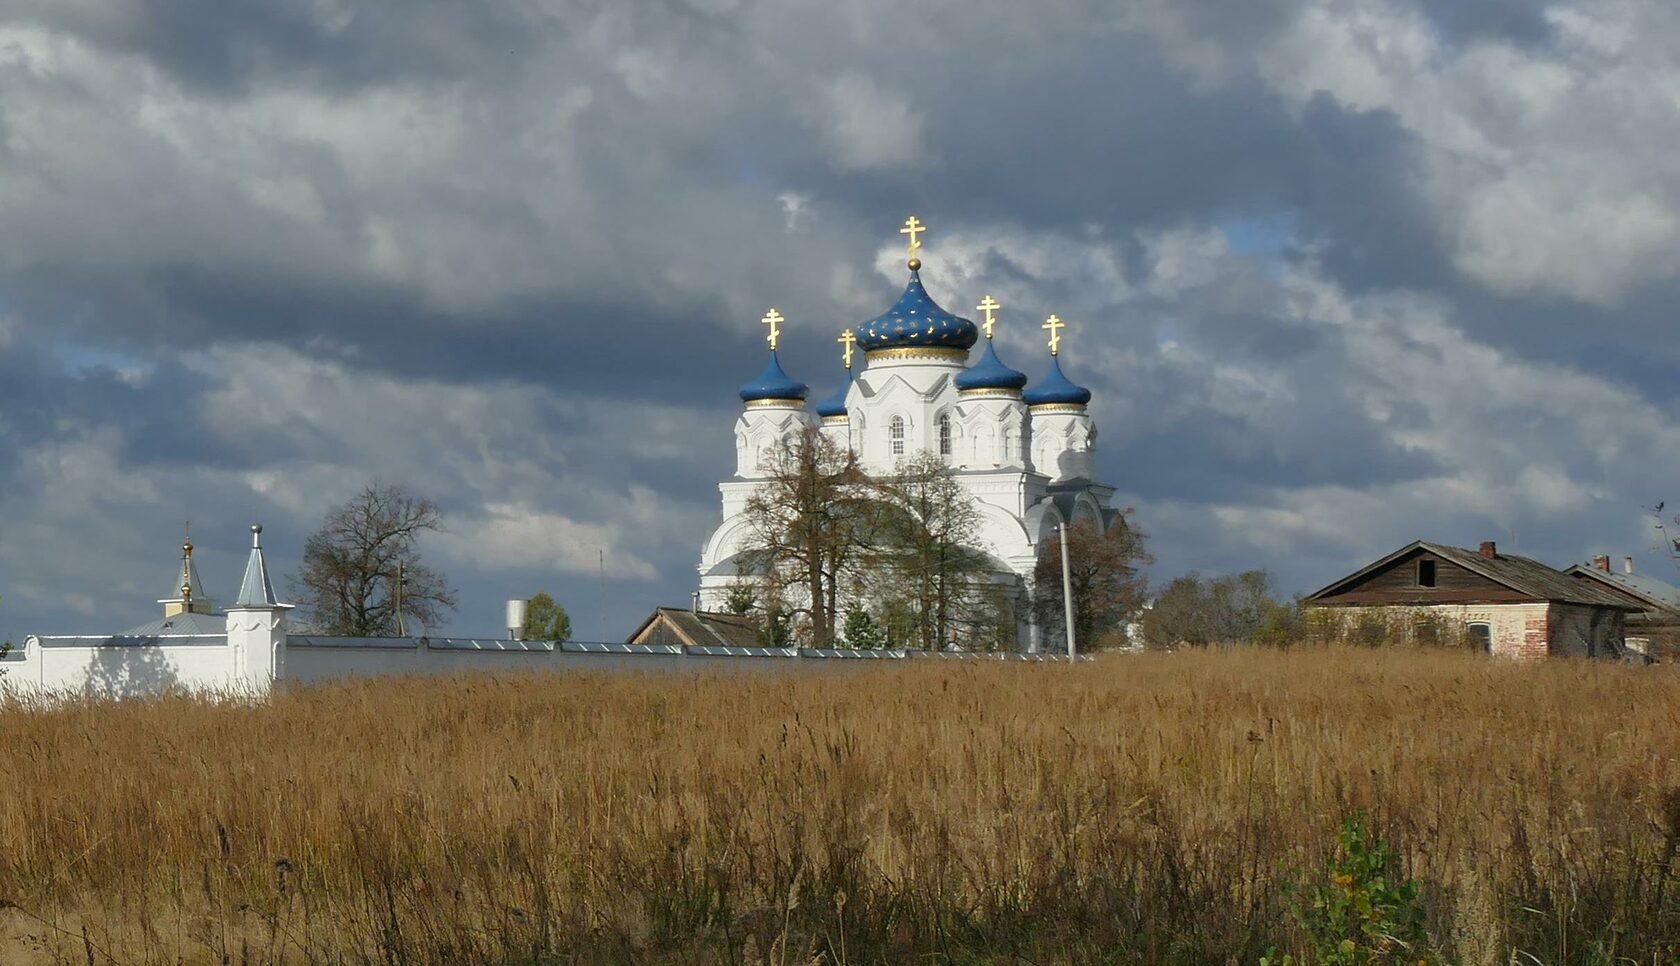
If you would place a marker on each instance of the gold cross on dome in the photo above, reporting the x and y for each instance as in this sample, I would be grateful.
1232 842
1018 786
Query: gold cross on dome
774 320
847 339
913 227
1055 326
989 305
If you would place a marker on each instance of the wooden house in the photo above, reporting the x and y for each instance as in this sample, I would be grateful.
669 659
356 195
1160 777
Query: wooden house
1504 604
1654 629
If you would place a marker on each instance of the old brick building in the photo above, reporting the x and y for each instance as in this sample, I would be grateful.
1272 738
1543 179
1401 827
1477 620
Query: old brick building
1503 604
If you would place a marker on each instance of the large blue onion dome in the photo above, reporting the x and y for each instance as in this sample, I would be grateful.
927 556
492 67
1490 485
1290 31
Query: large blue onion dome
774 386
834 407
991 374
917 322
1055 389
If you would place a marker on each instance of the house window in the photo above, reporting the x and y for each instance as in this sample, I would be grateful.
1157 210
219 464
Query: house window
1426 573
1480 634
944 434
1425 634
896 432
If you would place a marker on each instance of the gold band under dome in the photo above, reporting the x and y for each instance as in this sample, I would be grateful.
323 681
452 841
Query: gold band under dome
835 420
776 404
994 392
1057 408
945 353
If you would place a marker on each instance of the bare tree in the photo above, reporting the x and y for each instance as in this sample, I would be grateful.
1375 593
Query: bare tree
809 525
349 581
1103 565
929 541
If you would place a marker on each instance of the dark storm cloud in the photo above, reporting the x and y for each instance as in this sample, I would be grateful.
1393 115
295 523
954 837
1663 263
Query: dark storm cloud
1521 21
514 254
224 48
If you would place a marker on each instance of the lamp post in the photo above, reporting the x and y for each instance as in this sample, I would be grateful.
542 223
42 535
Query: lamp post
1067 590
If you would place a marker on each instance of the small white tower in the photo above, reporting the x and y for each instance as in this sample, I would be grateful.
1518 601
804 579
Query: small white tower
993 416
1063 435
836 417
775 410
256 625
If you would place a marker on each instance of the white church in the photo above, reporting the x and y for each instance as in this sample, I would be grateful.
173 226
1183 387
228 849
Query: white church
1023 451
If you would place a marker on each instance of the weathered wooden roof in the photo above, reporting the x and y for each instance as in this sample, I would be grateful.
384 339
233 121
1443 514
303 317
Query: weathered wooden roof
1647 589
1531 578
706 628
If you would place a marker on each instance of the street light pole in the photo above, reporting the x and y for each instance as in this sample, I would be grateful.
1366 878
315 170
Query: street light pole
1067 590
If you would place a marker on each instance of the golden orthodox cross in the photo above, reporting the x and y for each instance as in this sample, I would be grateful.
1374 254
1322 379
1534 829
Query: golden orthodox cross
912 227
989 305
774 320
847 339
1055 326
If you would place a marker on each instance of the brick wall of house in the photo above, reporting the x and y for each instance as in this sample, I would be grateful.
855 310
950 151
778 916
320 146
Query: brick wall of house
1519 631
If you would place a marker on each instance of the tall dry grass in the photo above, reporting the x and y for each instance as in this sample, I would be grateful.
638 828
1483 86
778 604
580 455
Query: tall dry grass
1138 809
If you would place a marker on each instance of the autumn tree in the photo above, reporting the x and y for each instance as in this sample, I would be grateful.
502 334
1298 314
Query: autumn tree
363 564
1103 566
808 525
545 620
1197 611
928 541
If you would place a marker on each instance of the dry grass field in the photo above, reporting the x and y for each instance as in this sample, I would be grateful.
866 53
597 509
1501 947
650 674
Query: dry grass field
1135 809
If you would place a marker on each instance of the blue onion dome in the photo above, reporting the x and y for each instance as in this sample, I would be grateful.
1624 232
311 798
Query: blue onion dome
991 373
834 407
774 385
1056 389
917 322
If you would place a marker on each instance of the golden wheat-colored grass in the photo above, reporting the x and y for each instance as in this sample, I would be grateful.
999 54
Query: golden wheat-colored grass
1134 809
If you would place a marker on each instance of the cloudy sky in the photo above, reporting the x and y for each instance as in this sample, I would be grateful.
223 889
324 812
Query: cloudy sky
1342 273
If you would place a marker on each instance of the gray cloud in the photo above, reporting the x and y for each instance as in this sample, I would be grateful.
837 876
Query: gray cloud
1343 274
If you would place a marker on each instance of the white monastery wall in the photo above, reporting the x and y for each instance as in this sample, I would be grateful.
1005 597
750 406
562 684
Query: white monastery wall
122 668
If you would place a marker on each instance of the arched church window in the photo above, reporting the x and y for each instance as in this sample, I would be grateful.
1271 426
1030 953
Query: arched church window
895 431
944 434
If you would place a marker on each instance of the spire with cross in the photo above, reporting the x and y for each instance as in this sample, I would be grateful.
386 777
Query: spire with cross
774 320
989 306
913 227
1055 325
848 339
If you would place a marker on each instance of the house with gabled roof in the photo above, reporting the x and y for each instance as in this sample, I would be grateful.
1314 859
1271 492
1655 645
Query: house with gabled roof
1504 604
1653 630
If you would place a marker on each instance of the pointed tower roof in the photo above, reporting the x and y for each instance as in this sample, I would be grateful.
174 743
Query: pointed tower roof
256 590
917 321
774 385
834 407
1056 389
188 590
187 577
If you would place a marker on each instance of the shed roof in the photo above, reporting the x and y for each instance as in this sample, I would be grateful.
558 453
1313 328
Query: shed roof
1528 577
1648 589
706 628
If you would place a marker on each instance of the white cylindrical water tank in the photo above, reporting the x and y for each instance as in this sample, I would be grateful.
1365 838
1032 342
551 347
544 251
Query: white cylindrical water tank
516 618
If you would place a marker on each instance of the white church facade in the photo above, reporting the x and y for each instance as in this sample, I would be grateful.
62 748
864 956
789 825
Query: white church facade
1023 452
